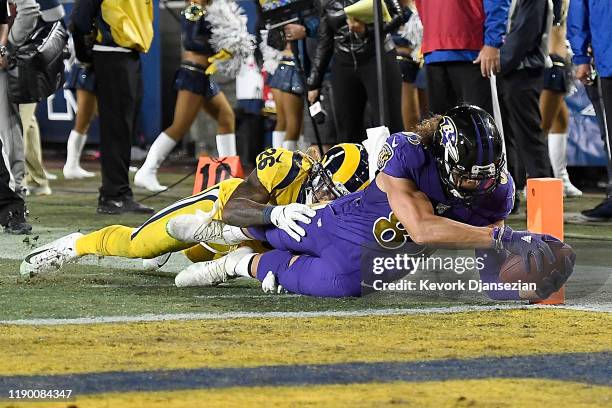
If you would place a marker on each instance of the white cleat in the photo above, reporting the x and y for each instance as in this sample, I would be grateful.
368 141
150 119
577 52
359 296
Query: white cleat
50 257
196 228
569 190
156 263
147 179
211 273
76 172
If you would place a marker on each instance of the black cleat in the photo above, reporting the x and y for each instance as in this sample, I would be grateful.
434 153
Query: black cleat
110 206
130 205
602 212
16 223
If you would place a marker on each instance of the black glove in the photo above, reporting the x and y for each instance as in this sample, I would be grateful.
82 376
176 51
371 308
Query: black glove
524 243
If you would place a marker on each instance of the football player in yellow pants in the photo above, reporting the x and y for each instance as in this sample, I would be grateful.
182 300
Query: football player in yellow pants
150 239
281 178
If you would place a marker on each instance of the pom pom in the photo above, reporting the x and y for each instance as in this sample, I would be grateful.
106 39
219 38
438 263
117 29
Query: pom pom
413 32
229 32
271 56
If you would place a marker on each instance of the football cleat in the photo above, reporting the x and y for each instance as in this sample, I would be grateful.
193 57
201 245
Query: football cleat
50 257
196 228
211 273
156 263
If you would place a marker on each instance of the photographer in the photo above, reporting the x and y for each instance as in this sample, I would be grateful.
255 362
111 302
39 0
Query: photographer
36 181
351 43
12 206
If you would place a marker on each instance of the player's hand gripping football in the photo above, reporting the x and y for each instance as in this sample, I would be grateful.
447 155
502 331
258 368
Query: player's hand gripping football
525 244
286 218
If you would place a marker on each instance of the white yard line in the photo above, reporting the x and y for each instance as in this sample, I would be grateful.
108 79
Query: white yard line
328 313
242 296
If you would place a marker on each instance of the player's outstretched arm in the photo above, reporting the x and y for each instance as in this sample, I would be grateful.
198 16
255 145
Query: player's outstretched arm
414 210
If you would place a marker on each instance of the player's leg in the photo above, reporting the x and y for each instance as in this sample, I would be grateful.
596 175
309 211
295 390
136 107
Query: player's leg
147 241
219 108
302 274
293 106
307 275
278 135
186 109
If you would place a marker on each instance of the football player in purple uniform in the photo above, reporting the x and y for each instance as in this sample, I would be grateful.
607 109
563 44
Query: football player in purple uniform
443 186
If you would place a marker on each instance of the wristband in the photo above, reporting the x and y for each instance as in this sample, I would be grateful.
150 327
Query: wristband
498 233
267 214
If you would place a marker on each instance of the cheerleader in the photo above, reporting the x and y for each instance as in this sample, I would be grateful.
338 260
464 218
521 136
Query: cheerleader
287 91
80 80
196 90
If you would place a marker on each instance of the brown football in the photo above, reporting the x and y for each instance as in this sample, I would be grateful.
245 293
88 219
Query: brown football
513 268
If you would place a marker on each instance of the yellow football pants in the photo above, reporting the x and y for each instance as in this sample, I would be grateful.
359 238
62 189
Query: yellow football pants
151 239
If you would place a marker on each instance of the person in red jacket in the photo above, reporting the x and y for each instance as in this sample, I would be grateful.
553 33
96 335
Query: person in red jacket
461 41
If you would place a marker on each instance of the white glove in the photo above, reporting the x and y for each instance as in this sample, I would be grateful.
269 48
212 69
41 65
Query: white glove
286 217
269 285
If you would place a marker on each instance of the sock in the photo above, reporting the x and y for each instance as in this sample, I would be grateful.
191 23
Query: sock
290 145
234 258
278 137
557 151
160 149
74 146
302 145
226 144
82 140
234 235
243 267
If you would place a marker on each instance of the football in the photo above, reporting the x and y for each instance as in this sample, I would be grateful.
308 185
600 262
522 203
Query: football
513 269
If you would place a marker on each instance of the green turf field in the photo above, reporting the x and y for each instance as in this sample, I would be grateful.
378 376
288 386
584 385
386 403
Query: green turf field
119 287
307 351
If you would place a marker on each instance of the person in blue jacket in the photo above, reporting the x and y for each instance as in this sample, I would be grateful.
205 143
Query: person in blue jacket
588 26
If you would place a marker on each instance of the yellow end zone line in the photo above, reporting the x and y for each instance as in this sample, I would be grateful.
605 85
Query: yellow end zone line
605 308
262 341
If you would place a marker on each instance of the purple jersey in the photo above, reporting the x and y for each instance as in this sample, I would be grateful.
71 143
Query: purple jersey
366 216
